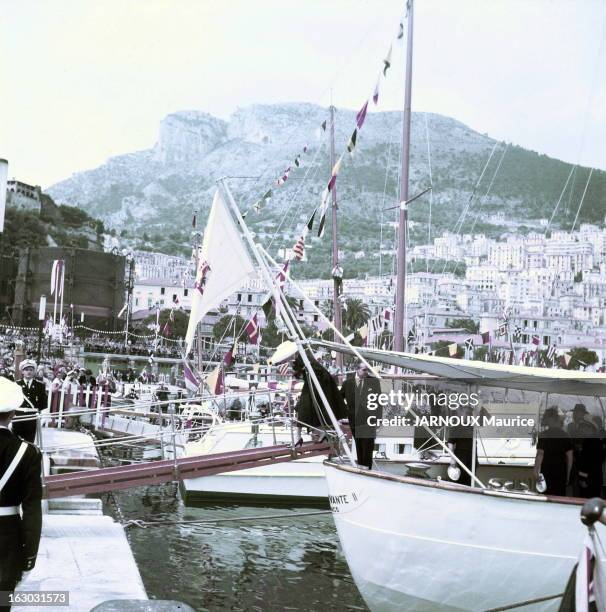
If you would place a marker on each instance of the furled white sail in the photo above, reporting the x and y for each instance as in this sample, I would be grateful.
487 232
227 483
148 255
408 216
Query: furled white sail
224 265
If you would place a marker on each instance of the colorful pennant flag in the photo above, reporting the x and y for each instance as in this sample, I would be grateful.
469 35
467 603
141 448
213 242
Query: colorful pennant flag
252 329
351 145
387 61
375 94
551 351
361 116
322 209
299 247
191 380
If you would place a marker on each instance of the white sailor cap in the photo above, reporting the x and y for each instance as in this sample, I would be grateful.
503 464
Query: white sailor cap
11 395
285 351
27 363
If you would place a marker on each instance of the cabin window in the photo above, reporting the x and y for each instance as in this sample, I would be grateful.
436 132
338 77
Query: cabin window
162 290
185 292
402 449
380 448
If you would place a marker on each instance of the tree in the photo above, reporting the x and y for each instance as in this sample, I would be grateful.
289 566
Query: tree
176 328
224 327
467 324
581 357
441 349
356 314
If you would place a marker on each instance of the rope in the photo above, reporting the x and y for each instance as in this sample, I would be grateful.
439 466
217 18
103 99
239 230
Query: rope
145 524
582 200
522 604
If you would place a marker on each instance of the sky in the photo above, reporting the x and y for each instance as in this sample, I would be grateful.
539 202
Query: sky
89 79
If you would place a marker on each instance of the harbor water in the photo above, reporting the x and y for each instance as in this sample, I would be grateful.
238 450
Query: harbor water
291 563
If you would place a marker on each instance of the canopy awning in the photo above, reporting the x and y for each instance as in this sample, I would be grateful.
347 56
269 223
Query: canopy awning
542 380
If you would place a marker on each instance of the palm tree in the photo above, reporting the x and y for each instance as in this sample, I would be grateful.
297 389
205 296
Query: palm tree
356 314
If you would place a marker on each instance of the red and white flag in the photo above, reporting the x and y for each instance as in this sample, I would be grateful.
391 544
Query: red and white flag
252 329
590 586
191 380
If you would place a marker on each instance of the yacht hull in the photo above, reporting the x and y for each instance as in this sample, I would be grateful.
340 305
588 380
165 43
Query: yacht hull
430 546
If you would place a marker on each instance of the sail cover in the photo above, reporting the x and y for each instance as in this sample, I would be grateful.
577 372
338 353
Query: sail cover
542 380
224 265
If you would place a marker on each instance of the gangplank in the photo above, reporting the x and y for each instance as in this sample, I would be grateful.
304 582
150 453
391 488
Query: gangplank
159 472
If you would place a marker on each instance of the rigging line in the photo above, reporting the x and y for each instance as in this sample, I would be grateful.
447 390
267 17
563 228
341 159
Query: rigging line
459 223
582 200
429 170
387 168
310 167
571 192
559 199
476 187
492 180
333 79
146 524
292 209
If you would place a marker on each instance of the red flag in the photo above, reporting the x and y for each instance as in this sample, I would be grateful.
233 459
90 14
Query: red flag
229 356
299 248
252 329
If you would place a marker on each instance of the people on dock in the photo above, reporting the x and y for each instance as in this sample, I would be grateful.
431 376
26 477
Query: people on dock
588 452
35 400
20 496
554 456
310 407
355 391
461 441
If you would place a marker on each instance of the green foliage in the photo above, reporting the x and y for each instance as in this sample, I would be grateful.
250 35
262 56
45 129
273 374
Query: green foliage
441 349
466 324
224 328
22 229
178 327
581 357
356 314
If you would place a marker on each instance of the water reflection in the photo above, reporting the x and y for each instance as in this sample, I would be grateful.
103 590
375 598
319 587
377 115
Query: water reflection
292 563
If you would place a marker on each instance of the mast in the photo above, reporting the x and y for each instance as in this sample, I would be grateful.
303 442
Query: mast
337 272
400 314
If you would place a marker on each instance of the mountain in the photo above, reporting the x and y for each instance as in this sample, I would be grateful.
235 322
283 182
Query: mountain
148 197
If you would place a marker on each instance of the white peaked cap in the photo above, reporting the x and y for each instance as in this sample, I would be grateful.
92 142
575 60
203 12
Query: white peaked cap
27 363
11 395
285 351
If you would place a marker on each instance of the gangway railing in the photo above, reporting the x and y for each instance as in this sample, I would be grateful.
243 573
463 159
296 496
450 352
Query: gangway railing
183 468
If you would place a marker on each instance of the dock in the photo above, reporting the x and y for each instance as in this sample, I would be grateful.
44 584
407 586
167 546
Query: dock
81 551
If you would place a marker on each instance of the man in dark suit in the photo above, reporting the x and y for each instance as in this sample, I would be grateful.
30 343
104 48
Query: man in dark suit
20 489
355 391
35 392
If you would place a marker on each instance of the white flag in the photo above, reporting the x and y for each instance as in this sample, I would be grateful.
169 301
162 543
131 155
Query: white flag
224 265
